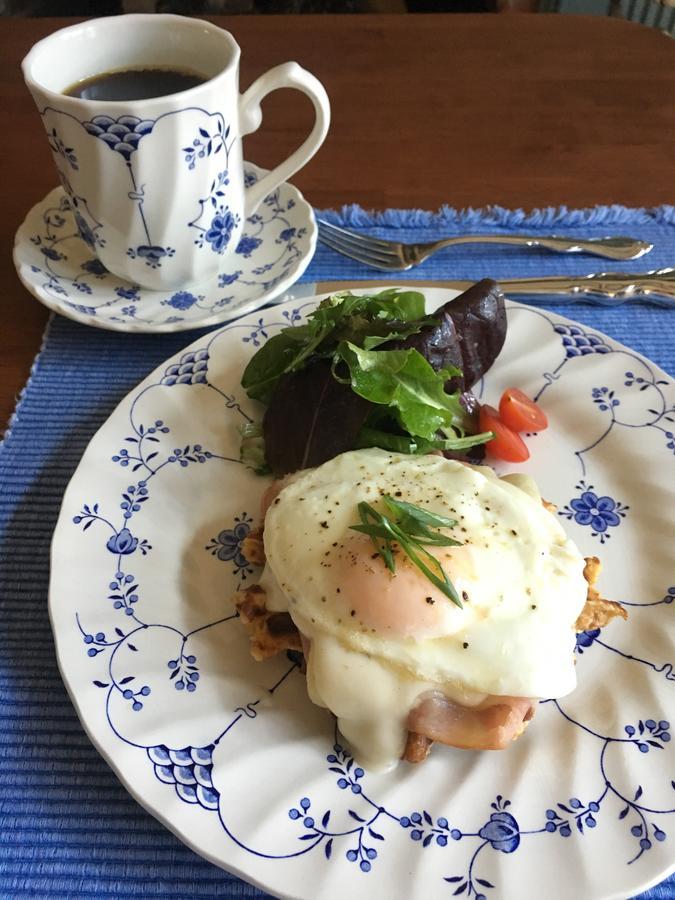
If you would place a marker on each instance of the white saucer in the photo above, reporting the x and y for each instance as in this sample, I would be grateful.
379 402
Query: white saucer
58 268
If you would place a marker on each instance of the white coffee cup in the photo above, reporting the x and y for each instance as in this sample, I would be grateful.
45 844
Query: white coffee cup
157 185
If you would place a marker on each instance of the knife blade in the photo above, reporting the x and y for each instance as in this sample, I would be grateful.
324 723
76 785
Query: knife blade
603 288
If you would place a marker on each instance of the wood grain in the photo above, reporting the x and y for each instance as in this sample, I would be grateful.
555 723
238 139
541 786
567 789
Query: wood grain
522 111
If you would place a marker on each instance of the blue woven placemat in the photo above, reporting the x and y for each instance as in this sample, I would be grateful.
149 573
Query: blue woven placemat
67 826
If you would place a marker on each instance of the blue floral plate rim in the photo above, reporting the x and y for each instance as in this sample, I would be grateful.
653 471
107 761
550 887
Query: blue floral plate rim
57 267
321 826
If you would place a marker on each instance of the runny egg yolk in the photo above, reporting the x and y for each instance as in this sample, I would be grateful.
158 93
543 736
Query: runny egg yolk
379 641
405 604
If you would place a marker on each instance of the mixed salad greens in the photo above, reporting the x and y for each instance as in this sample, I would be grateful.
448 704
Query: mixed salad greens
373 371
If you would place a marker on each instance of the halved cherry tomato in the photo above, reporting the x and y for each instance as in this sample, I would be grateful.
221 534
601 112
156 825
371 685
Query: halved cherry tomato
506 444
520 413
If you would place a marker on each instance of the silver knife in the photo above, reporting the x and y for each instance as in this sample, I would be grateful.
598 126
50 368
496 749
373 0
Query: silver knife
604 288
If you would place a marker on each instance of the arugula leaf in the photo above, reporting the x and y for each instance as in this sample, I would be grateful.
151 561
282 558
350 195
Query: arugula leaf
404 381
339 388
367 320
407 443
392 304
273 359
370 334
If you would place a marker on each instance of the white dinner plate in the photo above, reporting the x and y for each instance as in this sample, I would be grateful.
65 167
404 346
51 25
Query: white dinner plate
229 753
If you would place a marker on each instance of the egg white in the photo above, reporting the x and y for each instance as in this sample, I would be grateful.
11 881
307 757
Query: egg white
379 641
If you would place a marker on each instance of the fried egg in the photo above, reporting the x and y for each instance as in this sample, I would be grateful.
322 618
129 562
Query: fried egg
381 640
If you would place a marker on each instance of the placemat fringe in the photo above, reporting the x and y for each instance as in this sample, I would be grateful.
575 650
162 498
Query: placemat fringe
499 217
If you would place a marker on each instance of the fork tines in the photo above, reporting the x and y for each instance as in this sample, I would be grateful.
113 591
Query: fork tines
368 250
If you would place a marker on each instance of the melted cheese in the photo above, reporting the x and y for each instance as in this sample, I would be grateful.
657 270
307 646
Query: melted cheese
378 642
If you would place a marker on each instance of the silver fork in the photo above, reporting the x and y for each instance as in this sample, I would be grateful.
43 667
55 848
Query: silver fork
396 256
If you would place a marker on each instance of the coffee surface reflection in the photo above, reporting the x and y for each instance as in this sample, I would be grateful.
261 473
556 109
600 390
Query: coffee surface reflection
135 84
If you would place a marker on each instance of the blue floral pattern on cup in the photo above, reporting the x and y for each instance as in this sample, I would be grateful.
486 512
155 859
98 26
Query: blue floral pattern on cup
58 147
122 135
220 230
151 254
208 142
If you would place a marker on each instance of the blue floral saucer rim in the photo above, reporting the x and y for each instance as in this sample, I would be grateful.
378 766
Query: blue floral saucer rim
230 755
61 271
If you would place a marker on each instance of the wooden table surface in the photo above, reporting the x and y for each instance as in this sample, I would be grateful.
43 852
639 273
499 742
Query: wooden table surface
519 110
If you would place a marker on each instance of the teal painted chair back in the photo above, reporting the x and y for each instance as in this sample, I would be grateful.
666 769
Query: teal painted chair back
655 13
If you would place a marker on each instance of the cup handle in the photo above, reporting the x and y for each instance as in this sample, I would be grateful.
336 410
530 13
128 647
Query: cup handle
287 75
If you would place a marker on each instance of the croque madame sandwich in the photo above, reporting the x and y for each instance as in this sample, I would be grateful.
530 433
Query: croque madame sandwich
403 660
430 599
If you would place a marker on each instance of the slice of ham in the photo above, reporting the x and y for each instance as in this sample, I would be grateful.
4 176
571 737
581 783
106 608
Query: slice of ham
491 725
274 490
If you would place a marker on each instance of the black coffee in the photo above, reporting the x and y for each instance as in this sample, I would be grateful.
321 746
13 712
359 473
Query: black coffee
135 84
